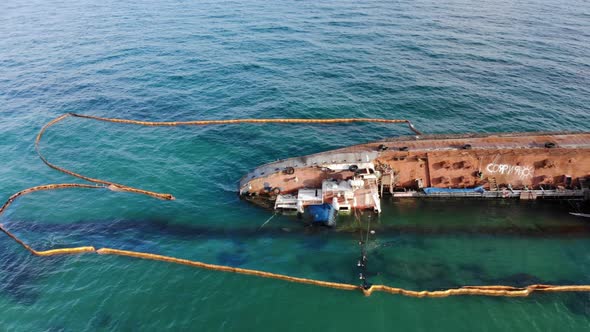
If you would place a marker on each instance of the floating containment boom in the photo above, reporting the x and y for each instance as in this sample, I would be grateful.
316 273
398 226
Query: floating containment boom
349 179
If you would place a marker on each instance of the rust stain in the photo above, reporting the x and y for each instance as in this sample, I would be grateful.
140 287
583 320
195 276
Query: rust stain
516 161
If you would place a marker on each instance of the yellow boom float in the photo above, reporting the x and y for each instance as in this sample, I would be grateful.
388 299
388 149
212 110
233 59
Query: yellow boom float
495 290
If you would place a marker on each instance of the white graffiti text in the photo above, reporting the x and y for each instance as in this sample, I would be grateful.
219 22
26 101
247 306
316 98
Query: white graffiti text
522 172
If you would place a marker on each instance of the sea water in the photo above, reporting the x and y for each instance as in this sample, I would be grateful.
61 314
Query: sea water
450 66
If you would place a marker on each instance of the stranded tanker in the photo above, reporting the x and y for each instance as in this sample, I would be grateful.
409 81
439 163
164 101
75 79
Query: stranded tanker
515 165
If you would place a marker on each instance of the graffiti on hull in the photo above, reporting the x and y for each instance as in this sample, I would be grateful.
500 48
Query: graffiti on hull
523 172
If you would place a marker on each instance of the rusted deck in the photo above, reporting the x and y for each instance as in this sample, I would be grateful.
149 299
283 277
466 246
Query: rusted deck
517 161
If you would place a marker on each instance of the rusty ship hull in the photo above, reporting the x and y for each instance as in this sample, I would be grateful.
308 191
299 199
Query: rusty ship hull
513 165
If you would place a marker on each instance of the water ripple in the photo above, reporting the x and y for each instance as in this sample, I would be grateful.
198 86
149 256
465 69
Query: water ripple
449 66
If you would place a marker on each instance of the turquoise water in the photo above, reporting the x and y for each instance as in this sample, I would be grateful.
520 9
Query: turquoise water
449 66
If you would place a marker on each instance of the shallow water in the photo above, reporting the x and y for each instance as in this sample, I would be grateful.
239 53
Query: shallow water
449 66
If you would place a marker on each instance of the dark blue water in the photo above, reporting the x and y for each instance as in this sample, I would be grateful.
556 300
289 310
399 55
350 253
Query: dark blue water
449 66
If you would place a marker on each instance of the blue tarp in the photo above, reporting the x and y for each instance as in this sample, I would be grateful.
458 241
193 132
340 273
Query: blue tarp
431 190
323 213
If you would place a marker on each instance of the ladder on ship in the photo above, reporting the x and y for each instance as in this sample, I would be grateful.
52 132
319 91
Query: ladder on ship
493 184
386 181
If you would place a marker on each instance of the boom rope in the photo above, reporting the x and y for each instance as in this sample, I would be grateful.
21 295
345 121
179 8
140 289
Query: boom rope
495 290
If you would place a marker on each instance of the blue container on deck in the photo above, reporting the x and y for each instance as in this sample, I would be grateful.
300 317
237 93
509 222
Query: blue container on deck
322 214
432 190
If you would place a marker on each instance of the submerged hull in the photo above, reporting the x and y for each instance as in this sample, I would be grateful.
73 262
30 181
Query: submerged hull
523 165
